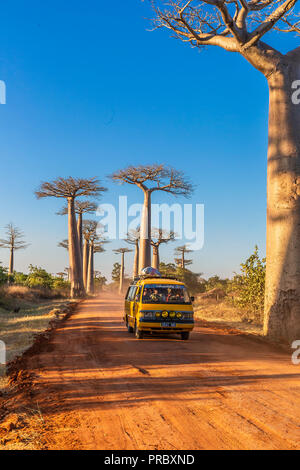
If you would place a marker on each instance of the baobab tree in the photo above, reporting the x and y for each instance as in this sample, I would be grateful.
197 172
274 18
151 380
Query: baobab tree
122 252
159 237
182 261
240 26
14 241
89 229
95 247
70 189
81 207
133 238
150 178
93 243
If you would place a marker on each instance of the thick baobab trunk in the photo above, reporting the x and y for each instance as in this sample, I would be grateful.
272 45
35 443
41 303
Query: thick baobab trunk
136 260
145 233
155 257
282 298
85 262
90 276
79 232
121 274
11 262
77 288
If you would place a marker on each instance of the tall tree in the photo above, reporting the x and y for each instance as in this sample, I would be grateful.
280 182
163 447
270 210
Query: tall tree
133 238
70 189
182 261
94 247
81 207
159 237
152 178
89 229
122 252
240 26
14 241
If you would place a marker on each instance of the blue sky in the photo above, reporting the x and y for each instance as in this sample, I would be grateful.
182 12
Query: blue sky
90 90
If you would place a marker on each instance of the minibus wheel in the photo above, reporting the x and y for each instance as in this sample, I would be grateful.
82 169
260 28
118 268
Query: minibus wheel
185 335
138 333
129 328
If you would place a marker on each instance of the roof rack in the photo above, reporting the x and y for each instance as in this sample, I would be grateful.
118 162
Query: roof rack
140 277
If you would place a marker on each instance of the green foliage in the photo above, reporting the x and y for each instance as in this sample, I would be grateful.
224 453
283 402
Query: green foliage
3 275
249 286
100 280
38 277
191 280
215 282
116 272
20 278
59 283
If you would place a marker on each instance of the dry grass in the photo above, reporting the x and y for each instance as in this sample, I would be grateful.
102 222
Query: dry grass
22 430
224 313
18 329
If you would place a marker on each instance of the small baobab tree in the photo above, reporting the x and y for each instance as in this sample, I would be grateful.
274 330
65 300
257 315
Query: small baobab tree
70 189
159 237
150 178
240 26
122 251
181 252
81 207
133 238
95 247
89 229
14 241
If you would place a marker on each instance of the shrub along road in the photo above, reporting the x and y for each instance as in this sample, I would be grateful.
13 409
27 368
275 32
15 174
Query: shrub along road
97 387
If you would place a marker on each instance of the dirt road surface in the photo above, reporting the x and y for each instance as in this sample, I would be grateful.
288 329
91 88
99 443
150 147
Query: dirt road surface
98 387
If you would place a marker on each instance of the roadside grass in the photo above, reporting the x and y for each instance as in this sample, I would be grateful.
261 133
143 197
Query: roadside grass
18 329
222 312
23 430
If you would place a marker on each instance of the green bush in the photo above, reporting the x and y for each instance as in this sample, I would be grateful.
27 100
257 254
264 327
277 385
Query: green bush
3 275
249 286
38 277
192 280
20 278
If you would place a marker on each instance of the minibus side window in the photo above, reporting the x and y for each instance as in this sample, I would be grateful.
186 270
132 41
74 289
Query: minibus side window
137 297
132 294
128 293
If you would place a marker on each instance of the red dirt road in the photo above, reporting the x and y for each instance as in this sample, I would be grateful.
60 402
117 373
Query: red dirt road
100 388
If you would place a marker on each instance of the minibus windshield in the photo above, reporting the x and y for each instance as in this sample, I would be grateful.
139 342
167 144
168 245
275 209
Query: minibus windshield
165 294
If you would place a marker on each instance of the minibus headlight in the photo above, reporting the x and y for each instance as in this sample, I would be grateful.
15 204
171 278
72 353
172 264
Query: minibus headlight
172 314
179 315
157 314
165 314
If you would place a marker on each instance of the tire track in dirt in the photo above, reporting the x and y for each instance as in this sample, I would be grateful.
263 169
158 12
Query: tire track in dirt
100 388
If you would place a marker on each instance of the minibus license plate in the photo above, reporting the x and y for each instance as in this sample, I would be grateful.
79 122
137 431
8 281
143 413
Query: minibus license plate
169 324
